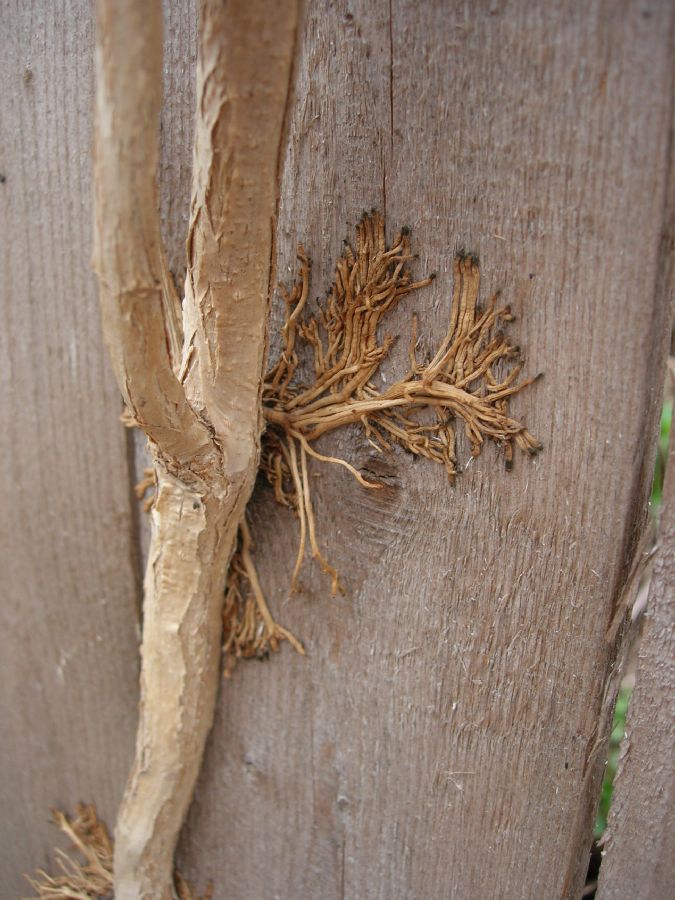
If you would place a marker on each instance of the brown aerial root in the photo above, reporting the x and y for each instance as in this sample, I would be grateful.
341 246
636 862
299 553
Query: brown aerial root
147 483
248 627
91 876
465 381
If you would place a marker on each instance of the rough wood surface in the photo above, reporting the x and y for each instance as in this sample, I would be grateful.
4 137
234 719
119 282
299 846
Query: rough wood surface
444 737
68 570
640 845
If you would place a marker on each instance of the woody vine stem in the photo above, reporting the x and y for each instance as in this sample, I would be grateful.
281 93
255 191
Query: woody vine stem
192 375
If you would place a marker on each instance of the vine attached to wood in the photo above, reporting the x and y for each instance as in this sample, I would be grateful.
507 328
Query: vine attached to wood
191 374
465 382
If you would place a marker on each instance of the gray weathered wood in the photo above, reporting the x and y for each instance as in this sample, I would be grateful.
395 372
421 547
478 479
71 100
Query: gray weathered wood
444 737
640 846
70 588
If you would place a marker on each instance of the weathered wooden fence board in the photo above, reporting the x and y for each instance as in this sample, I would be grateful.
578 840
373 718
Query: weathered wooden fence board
70 588
640 849
445 735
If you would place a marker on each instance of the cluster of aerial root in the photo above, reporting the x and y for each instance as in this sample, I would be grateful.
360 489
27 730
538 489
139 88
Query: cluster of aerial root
464 383
87 875
87 872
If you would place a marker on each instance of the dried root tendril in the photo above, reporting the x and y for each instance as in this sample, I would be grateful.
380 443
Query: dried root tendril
463 382
90 875
249 629
147 483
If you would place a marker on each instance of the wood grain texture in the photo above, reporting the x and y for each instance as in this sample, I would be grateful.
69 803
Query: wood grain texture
640 842
69 595
444 737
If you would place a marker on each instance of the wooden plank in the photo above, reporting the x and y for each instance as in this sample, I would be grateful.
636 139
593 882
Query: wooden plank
470 638
444 737
640 840
68 568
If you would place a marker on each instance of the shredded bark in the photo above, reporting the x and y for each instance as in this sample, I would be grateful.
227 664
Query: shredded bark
89 874
464 383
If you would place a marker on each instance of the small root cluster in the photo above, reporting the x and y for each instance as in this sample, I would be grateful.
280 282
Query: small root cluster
79 879
90 875
248 627
465 382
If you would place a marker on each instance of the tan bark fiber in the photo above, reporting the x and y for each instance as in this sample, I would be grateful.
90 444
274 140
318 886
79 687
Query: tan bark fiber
190 377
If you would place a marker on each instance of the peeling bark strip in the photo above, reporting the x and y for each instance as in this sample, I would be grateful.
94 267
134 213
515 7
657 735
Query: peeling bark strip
190 376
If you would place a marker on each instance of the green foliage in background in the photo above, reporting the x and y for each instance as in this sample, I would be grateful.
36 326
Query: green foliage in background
623 699
612 760
661 455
